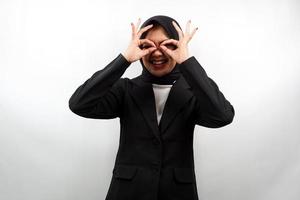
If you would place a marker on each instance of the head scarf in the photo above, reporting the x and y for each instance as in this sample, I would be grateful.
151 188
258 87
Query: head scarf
166 23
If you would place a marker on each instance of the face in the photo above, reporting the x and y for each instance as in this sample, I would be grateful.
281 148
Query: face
158 63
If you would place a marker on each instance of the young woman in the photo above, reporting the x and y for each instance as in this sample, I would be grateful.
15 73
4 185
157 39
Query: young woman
158 111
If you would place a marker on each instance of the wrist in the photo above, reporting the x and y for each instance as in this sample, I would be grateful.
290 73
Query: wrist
184 59
126 57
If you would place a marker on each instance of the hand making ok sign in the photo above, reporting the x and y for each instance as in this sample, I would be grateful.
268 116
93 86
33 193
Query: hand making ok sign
133 51
180 53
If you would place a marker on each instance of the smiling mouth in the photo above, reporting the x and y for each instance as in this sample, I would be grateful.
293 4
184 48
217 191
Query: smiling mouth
158 62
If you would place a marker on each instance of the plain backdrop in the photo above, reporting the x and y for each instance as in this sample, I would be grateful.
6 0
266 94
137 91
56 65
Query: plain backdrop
49 48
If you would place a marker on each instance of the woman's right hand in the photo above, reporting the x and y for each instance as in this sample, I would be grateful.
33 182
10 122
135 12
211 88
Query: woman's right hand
134 52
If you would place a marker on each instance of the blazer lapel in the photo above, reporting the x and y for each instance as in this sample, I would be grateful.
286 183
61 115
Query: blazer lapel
144 97
178 97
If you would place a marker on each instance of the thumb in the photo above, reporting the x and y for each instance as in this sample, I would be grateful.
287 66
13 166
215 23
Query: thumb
147 51
168 51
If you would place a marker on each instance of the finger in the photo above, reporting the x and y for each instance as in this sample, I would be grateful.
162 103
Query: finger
146 28
146 41
193 33
132 30
138 23
168 51
135 28
188 25
170 44
179 31
147 51
170 41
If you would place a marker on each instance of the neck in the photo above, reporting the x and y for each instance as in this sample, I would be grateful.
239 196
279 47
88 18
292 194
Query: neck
168 79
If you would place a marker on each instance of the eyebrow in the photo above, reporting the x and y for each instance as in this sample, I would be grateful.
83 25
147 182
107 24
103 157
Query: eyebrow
164 40
161 41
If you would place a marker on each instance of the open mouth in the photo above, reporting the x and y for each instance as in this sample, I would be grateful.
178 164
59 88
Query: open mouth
158 62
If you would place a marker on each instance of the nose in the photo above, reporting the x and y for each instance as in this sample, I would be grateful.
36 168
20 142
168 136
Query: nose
157 52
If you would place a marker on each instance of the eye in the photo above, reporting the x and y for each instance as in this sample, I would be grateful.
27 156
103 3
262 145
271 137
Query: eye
144 46
171 46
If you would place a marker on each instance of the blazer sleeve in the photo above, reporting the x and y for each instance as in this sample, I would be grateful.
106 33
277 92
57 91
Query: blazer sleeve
101 96
212 110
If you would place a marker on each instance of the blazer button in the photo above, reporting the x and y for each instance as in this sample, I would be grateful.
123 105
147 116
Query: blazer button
155 169
155 141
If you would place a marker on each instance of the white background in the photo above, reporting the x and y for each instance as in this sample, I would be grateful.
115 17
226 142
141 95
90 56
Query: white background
49 48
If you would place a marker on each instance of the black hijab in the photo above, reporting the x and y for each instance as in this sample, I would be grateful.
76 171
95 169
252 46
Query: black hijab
166 23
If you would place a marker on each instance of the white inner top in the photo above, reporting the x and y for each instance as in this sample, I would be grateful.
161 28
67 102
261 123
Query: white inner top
161 93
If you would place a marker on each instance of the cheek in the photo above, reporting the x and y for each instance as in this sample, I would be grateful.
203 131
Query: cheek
144 60
172 63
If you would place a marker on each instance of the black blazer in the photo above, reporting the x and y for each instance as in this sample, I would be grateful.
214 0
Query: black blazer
153 161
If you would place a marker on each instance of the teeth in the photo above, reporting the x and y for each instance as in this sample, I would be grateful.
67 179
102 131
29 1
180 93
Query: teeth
158 62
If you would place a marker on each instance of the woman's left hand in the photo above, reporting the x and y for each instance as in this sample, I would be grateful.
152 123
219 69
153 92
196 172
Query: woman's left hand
180 52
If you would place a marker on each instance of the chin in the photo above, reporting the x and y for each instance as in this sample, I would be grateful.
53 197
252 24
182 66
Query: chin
159 70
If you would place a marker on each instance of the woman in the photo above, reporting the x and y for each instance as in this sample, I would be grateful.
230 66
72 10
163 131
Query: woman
158 111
